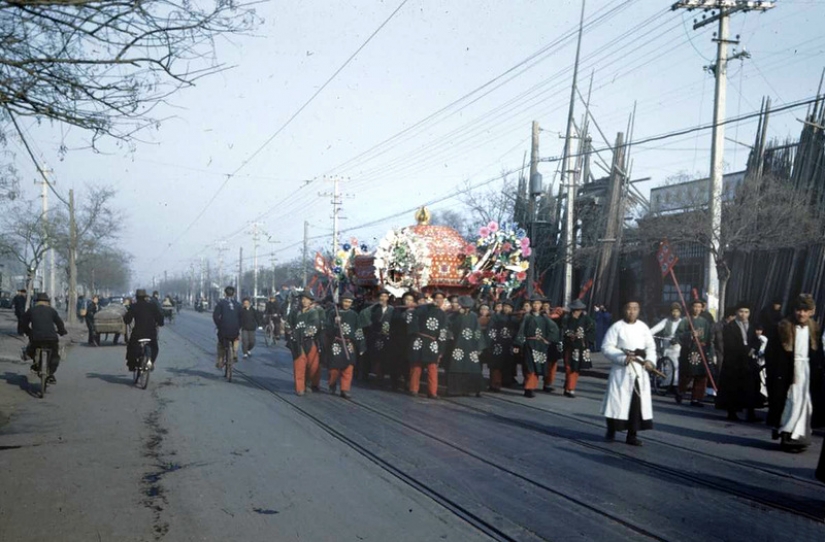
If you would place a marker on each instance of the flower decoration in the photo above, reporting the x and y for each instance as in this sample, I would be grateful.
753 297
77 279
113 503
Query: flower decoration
498 259
402 261
343 261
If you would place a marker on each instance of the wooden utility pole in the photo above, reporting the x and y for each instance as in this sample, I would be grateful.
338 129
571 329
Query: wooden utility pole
72 260
723 10
535 187
568 180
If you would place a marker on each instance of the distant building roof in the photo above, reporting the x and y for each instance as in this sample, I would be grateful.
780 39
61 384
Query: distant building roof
676 197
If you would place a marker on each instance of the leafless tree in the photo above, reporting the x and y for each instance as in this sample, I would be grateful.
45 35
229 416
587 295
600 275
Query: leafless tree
760 214
105 270
25 235
102 65
487 205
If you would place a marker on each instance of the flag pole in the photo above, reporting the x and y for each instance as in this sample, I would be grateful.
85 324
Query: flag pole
693 331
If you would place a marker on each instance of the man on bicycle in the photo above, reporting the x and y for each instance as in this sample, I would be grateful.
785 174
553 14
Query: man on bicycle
42 324
227 318
272 314
147 317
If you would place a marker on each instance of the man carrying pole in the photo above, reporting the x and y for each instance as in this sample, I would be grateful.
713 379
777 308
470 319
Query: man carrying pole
346 340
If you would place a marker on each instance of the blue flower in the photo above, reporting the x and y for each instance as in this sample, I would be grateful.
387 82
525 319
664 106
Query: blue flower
347 246
337 270
521 233
364 248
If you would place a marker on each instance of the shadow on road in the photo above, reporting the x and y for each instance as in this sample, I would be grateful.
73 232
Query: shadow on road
236 380
112 379
22 382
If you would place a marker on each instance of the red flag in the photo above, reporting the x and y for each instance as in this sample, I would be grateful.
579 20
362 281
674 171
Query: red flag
666 258
321 264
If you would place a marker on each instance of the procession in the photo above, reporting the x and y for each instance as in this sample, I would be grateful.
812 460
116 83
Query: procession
412 271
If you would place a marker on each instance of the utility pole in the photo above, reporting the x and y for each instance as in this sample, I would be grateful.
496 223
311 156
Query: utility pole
535 190
72 260
336 199
221 247
305 253
240 274
721 10
45 195
255 237
568 180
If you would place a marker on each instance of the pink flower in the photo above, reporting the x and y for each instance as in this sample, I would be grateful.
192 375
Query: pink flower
470 249
526 251
521 275
507 247
525 242
484 231
473 279
493 226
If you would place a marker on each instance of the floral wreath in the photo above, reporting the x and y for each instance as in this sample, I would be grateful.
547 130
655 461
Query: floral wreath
344 259
498 259
402 261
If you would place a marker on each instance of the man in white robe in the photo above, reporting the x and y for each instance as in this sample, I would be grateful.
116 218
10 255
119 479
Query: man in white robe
666 329
630 347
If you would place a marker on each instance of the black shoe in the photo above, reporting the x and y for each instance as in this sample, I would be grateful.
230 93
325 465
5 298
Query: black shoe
678 396
733 417
610 436
433 397
529 394
697 404
775 434
333 389
548 389
346 395
51 380
300 393
633 441
752 417
570 394
315 389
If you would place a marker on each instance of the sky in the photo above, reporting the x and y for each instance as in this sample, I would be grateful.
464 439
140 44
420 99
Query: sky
443 94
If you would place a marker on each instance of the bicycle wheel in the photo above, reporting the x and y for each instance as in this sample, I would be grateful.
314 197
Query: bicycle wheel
143 378
229 359
268 335
663 383
44 371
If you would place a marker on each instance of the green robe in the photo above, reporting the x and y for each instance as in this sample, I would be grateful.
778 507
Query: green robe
536 334
578 333
690 361
428 334
307 327
353 335
501 332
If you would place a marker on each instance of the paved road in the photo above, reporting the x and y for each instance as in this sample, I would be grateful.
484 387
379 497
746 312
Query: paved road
196 458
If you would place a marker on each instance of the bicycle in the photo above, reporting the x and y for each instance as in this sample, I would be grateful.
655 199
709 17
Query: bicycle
43 368
142 370
228 357
665 365
269 332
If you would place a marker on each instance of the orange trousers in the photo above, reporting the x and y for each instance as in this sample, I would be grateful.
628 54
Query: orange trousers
571 378
344 374
307 366
550 375
700 386
432 378
496 379
531 381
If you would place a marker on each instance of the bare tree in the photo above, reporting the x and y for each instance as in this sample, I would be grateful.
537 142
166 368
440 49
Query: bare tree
760 214
451 218
26 235
105 269
102 65
489 205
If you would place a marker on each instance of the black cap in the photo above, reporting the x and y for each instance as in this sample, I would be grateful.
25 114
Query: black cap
307 294
140 293
438 292
466 302
347 295
42 296
577 305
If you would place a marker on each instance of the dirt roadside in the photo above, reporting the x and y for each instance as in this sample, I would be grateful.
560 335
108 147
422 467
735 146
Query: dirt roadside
12 368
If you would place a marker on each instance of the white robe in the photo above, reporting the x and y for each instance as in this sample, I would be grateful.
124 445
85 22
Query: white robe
620 384
670 350
796 417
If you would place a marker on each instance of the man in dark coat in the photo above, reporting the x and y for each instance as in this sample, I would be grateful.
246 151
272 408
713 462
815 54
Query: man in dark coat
739 376
771 315
43 325
536 333
603 320
250 322
376 320
91 309
19 305
428 339
578 331
145 318
227 318
464 363
346 340
696 350
500 334
399 366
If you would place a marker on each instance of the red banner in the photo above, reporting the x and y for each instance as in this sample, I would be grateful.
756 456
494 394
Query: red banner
666 258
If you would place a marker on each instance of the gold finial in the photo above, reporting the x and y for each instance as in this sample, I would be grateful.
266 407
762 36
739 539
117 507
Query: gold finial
422 216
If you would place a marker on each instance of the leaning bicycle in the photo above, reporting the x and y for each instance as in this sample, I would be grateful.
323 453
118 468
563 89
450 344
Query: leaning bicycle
664 381
143 365
42 357
270 332
228 357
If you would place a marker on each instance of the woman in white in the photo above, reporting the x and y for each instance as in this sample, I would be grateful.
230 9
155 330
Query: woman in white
629 345
666 329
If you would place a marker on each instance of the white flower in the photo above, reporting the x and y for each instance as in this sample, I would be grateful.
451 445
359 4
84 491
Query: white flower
336 349
417 343
346 329
474 357
478 334
432 323
442 335
467 333
458 354
385 327
493 333
301 325
539 357
538 332
359 334
409 317
312 331
434 347
497 349
506 333
379 344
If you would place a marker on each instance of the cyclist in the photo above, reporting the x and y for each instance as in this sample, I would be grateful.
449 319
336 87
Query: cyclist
227 318
273 314
147 317
665 333
42 324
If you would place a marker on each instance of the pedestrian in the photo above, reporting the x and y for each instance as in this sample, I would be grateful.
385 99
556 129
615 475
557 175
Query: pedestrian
771 315
665 331
627 404
500 334
578 332
463 365
347 344
250 322
399 365
306 325
603 320
428 340
19 305
535 335
227 318
739 375
91 309
695 350
376 320
793 361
